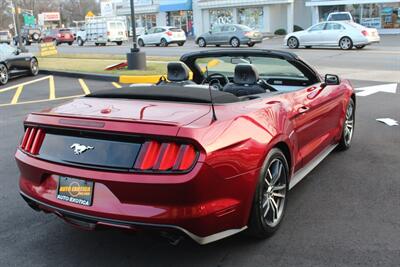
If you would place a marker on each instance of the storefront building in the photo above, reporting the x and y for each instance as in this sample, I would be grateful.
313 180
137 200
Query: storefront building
381 14
263 15
179 13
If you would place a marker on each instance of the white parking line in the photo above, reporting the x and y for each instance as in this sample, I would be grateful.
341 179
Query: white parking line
23 84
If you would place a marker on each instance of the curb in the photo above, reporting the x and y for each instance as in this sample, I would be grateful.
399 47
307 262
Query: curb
82 75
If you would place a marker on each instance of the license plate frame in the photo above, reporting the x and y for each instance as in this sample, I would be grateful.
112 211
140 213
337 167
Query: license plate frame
75 190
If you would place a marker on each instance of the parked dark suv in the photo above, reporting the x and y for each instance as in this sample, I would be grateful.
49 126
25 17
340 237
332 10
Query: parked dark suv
29 35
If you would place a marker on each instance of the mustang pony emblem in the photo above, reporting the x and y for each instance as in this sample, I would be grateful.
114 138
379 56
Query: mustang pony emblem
79 149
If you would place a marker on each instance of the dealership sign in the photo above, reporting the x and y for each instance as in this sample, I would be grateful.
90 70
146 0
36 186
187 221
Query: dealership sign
51 16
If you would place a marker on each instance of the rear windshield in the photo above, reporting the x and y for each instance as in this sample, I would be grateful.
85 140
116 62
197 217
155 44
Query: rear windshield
65 30
244 28
336 17
175 29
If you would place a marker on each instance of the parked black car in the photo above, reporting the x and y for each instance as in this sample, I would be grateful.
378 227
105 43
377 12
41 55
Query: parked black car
14 63
29 35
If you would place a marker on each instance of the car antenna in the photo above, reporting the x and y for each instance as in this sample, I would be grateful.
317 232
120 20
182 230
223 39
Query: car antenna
214 115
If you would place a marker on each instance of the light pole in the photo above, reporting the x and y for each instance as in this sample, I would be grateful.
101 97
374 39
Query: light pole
136 58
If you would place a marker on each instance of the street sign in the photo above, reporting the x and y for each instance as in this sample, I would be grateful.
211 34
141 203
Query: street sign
28 19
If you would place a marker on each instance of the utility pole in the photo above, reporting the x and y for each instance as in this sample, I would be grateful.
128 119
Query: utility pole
136 58
17 27
13 16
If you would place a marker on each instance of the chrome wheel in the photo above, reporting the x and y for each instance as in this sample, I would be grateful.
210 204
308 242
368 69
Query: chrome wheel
3 74
34 67
293 43
274 193
235 42
345 43
202 42
349 124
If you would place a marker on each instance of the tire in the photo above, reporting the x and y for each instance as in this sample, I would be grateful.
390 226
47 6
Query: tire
202 42
119 43
270 201
348 127
346 43
70 43
4 75
251 44
15 42
181 43
26 42
80 41
293 43
218 45
34 67
308 46
360 46
57 43
141 43
35 37
234 42
163 43
96 44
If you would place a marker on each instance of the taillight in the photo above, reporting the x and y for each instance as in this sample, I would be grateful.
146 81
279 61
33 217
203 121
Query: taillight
169 33
248 34
165 157
58 35
364 32
32 140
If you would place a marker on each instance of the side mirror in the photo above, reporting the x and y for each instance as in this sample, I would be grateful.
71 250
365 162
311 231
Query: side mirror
332 79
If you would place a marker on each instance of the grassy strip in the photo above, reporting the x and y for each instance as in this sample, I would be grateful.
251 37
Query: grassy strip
107 56
97 65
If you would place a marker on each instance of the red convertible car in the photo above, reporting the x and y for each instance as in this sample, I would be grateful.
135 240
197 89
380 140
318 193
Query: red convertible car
206 157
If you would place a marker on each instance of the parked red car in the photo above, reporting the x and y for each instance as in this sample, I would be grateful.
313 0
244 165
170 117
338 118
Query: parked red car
60 36
207 157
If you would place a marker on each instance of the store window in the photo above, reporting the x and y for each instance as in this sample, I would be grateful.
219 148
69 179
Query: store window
380 16
251 17
182 19
221 16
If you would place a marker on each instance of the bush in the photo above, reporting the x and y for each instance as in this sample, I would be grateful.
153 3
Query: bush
297 28
280 32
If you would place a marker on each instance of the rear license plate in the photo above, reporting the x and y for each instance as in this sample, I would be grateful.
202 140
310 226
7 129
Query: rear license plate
75 191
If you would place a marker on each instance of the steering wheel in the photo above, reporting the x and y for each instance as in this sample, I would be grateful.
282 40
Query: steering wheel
266 86
214 81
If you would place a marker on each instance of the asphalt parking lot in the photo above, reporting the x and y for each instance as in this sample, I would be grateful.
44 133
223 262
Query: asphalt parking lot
345 213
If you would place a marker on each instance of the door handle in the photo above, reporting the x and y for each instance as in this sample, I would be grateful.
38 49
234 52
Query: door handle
303 109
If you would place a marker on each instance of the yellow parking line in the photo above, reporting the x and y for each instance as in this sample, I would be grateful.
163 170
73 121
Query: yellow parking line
40 101
116 85
52 89
23 84
84 86
17 94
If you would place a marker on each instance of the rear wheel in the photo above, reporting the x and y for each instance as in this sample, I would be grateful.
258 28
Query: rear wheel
3 74
163 43
270 198
26 42
235 42
360 46
181 43
119 43
202 42
346 43
141 43
293 43
348 126
34 67
308 46
218 45
70 43
251 44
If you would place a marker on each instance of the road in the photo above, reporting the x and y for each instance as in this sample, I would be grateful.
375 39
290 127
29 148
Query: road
345 213
379 62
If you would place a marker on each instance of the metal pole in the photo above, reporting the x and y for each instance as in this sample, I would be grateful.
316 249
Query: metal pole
18 30
133 25
13 16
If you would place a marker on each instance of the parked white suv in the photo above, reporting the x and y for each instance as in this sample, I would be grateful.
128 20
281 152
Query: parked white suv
163 36
340 16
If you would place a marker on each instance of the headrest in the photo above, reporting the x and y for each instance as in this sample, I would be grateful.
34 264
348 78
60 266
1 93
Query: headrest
245 74
177 72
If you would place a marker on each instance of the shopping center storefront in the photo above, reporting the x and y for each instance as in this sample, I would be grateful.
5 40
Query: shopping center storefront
263 15
179 14
381 14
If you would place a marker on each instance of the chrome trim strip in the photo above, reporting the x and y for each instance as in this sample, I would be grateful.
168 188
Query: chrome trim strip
300 174
199 239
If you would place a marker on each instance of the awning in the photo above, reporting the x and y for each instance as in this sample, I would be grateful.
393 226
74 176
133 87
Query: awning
175 5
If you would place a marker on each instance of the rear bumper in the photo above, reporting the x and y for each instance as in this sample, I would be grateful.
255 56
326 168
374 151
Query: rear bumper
191 203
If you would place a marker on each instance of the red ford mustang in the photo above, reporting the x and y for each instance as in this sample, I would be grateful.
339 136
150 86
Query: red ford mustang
207 157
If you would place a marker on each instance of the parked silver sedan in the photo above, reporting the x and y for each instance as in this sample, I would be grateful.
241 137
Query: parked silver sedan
230 34
345 34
